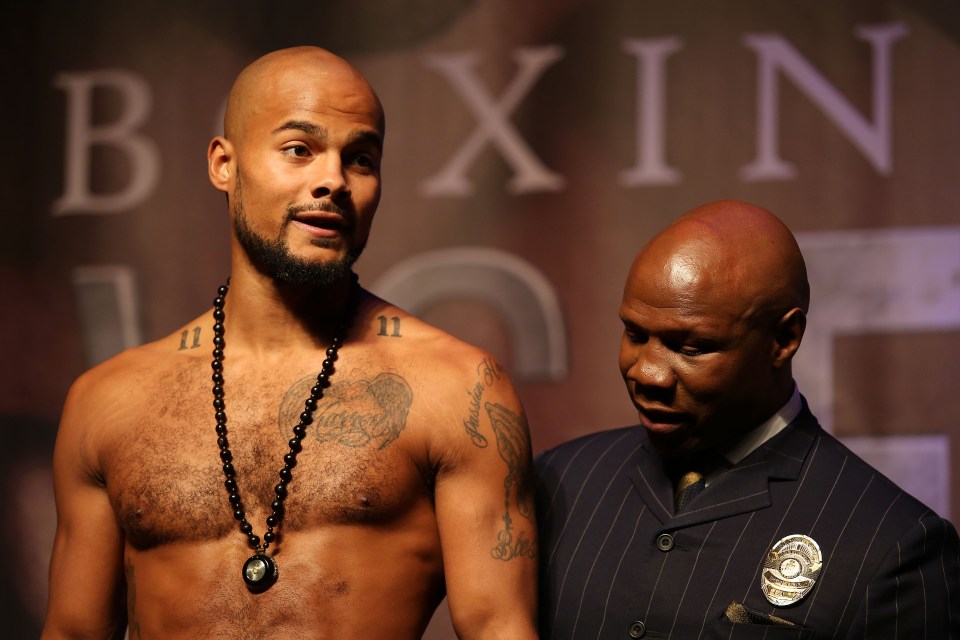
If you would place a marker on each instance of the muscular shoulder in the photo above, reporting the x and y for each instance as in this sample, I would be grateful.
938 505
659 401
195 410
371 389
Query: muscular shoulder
105 397
462 397
133 368
431 356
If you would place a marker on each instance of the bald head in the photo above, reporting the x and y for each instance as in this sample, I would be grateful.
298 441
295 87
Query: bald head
736 248
284 75
300 163
714 310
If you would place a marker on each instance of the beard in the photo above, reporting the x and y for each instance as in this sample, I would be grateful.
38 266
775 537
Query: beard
273 258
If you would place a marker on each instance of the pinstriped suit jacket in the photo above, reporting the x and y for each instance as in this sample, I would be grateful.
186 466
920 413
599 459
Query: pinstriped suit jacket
891 567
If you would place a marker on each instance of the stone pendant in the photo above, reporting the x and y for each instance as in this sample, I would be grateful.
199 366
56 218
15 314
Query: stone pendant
260 572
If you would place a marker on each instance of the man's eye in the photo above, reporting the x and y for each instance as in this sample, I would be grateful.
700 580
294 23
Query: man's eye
696 348
297 151
364 160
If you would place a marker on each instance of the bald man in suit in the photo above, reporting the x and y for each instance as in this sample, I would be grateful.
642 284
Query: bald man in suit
728 512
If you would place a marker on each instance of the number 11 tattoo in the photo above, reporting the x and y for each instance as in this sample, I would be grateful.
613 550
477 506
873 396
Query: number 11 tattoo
185 334
383 326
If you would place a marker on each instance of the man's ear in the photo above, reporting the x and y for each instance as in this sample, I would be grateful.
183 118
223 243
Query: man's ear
787 336
220 163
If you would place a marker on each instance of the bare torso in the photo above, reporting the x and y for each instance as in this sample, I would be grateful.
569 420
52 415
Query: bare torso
359 551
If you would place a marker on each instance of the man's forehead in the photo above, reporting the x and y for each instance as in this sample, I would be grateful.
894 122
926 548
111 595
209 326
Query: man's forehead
314 115
688 287
304 88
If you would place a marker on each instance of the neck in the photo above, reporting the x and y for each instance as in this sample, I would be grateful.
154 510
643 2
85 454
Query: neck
269 316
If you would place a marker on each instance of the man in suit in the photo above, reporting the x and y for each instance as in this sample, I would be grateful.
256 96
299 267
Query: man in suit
781 532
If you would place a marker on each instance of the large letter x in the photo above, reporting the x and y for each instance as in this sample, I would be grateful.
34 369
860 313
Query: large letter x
529 173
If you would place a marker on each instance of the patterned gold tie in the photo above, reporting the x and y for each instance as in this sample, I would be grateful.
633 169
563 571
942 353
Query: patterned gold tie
690 484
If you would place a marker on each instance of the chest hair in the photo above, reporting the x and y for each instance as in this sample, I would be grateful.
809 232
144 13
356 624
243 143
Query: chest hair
165 478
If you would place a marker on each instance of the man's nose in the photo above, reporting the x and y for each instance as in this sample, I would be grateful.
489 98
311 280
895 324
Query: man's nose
651 367
328 177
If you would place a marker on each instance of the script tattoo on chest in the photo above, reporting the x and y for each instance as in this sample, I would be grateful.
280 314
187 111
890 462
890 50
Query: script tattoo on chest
354 413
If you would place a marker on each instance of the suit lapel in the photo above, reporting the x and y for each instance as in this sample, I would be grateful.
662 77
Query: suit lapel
740 489
651 481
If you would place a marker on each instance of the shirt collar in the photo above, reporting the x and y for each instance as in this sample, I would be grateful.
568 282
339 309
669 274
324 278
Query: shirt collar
766 430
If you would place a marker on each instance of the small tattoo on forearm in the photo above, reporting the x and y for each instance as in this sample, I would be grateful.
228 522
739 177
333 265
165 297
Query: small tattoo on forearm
186 343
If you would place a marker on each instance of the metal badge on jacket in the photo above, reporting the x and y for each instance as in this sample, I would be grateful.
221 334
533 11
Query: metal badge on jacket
790 570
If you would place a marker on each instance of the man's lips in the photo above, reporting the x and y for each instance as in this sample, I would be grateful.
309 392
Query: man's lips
321 223
660 420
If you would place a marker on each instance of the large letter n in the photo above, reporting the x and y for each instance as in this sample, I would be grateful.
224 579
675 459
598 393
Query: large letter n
872 139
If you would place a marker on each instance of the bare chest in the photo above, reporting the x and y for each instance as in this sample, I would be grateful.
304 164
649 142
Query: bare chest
164 470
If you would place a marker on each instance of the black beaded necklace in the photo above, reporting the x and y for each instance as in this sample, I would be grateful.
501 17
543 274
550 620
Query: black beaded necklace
260 570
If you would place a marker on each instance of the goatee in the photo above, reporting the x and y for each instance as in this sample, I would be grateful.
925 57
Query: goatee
273 258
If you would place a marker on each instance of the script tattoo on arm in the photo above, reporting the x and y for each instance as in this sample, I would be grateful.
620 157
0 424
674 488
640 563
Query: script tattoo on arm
354 414
472 423
514 449
489 372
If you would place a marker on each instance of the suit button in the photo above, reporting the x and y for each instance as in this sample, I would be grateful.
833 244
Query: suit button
664 542
637 629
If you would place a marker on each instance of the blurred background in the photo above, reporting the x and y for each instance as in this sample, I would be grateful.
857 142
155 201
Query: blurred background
532 148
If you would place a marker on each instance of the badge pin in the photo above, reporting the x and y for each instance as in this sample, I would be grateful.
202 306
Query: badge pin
790 570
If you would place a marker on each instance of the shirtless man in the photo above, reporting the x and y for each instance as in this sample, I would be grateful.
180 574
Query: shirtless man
411 475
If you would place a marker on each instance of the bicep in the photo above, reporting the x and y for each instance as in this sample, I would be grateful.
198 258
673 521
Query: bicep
487 520
86 567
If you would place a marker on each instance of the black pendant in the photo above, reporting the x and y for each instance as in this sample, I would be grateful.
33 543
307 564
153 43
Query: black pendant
260 572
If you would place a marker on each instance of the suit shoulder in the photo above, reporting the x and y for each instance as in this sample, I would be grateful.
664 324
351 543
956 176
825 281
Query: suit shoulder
588 447
877 488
